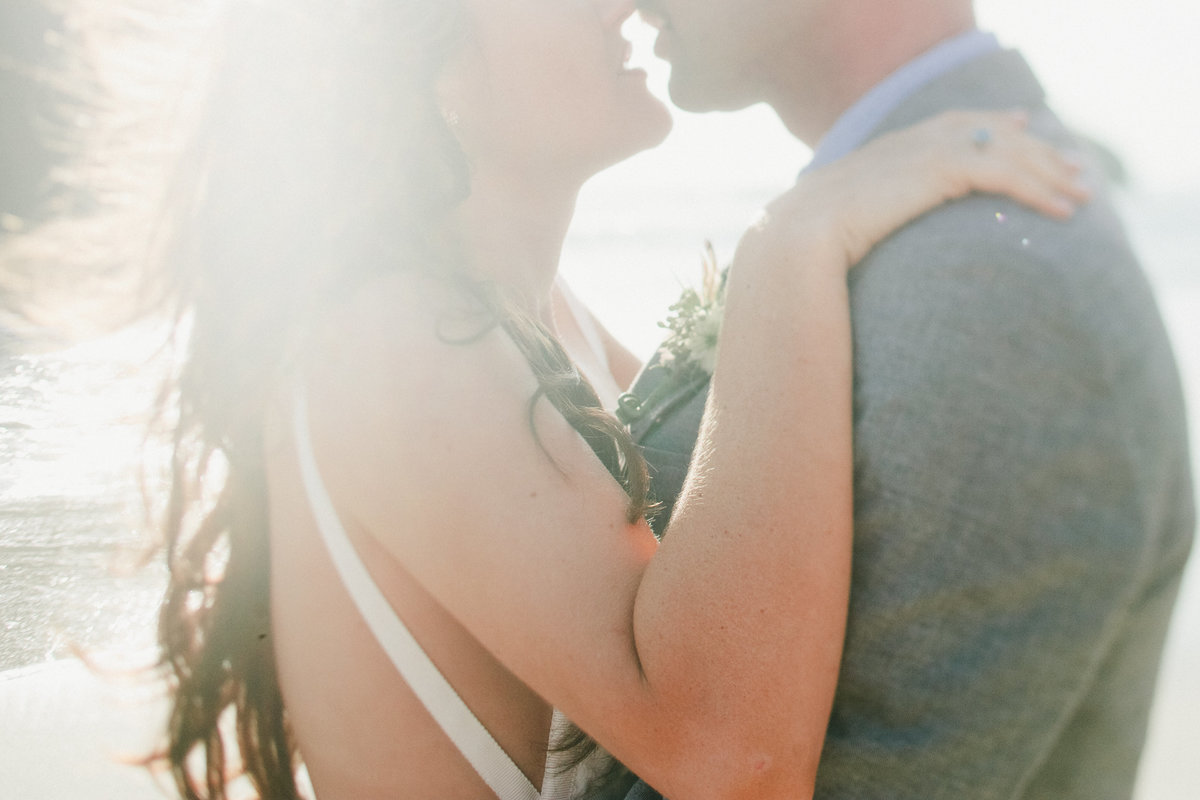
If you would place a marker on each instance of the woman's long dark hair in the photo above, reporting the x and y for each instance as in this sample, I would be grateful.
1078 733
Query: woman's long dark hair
321 158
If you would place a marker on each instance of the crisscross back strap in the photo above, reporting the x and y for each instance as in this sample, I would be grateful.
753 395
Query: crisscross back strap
437 695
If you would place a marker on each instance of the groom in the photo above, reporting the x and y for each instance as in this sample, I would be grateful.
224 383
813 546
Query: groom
1023 501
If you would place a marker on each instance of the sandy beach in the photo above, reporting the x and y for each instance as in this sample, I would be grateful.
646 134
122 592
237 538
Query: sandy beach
67 734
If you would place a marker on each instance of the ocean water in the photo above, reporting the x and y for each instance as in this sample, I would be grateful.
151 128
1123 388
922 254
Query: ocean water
73 432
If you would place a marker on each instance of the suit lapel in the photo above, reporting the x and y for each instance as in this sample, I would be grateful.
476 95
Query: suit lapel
655 393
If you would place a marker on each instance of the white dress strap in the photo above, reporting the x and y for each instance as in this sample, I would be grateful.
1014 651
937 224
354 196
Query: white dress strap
583 319
600 374
437 695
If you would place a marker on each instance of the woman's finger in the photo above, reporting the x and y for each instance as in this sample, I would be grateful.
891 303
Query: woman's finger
1010 161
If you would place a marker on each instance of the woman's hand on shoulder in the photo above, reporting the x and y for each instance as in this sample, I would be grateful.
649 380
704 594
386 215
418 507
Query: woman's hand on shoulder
858 201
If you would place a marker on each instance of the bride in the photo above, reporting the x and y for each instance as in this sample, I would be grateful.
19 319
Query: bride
406 544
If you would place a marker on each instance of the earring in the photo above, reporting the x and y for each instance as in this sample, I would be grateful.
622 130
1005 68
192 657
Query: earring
450 116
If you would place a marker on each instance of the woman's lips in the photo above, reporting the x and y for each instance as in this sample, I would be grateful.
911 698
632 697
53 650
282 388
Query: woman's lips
624 53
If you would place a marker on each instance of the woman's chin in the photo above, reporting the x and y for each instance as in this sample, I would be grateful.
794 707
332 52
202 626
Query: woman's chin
646 143
653 113
665 124
650 128
639 128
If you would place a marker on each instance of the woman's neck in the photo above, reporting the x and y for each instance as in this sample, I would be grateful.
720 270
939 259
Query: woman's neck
513 233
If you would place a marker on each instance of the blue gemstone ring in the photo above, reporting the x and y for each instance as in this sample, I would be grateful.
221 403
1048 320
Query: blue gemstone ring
981 138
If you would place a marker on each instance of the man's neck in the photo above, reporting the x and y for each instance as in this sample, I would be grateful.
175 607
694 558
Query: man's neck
862 119
809 100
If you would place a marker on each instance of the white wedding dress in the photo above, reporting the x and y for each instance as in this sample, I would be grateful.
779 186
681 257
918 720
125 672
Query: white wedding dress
458 722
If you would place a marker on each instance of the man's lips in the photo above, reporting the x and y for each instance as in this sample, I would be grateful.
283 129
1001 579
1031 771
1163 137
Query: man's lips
657 20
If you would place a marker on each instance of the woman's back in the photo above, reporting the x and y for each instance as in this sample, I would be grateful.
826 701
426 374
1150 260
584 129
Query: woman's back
360 728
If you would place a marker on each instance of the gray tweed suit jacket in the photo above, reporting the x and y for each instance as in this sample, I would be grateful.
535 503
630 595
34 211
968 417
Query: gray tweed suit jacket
1023 505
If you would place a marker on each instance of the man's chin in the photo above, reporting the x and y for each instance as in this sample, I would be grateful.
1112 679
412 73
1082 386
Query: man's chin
700 97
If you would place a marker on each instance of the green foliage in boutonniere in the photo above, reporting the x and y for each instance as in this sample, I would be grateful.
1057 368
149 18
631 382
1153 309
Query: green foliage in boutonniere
690 349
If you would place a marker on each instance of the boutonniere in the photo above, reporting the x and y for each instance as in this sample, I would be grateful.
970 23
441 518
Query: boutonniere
690 350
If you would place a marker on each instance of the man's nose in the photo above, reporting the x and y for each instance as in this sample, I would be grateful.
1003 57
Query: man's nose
615 12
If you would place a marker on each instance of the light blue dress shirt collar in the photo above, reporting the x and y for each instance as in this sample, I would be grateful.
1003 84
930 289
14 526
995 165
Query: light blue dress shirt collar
859 121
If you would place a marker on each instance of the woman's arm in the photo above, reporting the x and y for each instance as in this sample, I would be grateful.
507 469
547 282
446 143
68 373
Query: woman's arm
707 664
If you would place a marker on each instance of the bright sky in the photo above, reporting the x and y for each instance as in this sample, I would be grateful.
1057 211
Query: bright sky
1127 73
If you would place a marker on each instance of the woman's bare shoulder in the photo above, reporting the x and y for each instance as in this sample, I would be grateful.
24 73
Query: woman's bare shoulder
410 338
407 381
430 440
